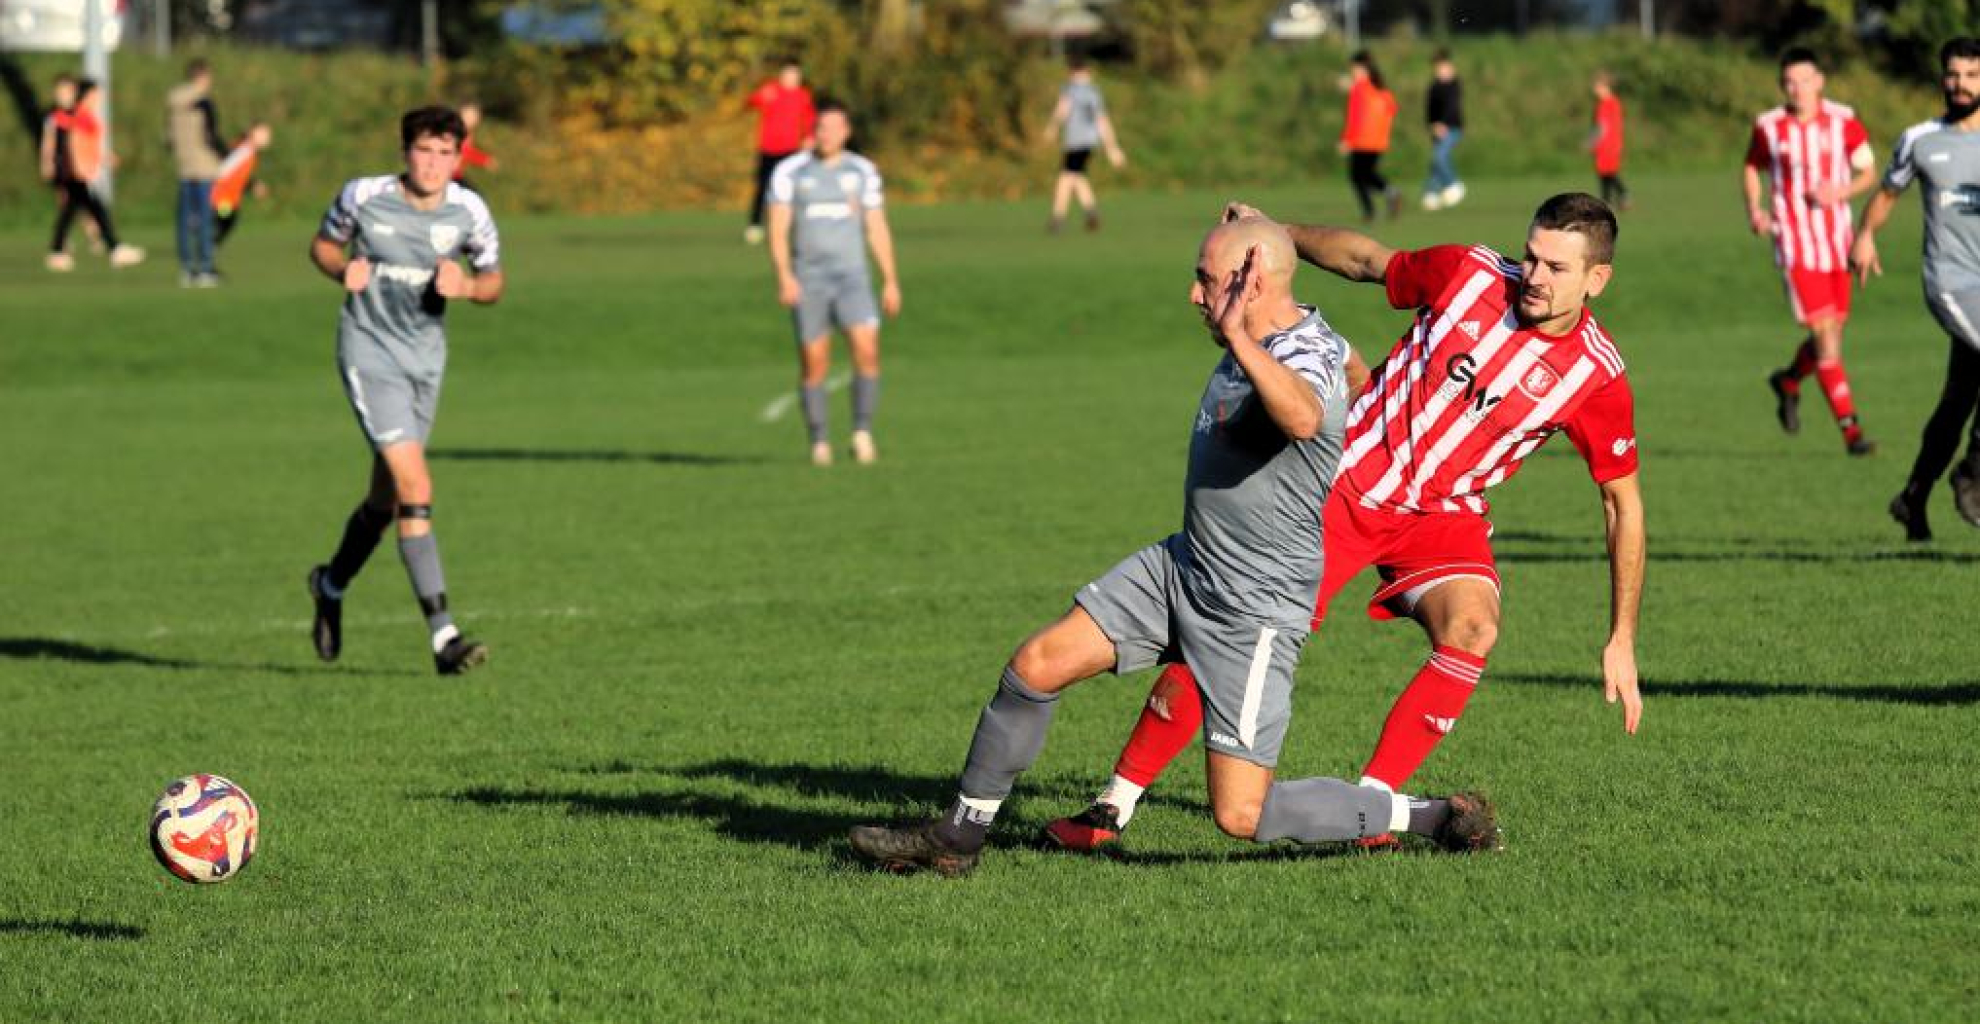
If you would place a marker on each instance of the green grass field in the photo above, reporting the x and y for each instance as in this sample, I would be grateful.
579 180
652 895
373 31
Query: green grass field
710 659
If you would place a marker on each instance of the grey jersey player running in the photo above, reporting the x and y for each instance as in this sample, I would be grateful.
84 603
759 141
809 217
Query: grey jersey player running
826 210
1943 156
1231 594
1080 122
395 243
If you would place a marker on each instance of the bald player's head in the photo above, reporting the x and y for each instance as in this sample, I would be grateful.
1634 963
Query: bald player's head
1223 253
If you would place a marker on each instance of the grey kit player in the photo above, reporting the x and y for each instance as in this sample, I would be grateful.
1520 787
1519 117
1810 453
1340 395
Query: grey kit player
1231 594
395 242
826 211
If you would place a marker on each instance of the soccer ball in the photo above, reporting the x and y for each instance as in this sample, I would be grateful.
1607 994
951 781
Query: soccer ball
203 829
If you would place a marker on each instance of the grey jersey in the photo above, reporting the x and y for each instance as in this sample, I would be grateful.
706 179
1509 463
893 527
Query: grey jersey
828 201
398 320
1253 496
1084 108
1947 163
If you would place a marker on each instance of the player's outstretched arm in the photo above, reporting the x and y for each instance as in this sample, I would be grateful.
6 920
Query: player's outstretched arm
880 239
1863 253
1622 506
1350 254
1357 374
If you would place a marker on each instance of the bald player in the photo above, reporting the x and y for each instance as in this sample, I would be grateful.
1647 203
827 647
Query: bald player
1231 594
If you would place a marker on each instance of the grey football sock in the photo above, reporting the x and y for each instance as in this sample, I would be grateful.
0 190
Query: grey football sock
1009 735
1323 811
422 558
813 400
866 398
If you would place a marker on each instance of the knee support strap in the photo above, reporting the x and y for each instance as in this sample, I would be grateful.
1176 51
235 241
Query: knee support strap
415 511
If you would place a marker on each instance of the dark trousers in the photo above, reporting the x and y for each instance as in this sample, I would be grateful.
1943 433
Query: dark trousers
765 163
78 197
1958 402
1614 192
195 225
1365 172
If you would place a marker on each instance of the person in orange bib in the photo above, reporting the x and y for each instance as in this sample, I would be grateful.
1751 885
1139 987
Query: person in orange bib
235 178
1371 111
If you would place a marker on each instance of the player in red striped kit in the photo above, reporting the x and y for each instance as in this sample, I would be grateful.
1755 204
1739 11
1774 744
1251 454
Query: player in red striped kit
1817 156
1501 355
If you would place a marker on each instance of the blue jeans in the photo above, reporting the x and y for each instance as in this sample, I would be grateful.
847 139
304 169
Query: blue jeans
196 226
1442 174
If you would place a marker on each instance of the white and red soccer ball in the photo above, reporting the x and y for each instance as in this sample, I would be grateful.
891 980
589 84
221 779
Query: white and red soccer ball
203 829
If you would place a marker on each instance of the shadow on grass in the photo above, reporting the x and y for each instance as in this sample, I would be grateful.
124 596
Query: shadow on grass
100 931
867 783
35 648
1947 695
762 817
584 455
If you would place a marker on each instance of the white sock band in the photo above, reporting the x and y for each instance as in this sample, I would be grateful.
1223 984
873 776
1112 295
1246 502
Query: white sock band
1123 795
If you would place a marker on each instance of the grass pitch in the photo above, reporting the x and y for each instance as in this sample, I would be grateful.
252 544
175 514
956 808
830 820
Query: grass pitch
711 658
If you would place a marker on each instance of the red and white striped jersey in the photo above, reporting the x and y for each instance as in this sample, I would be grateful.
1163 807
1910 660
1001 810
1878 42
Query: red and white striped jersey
1469 393
1801 157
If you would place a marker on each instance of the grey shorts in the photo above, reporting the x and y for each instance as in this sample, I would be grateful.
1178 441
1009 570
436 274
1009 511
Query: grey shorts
1244 668
391 407
832 300
1958 313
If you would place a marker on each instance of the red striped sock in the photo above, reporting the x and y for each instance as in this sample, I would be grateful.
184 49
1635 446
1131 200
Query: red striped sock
1170 719
1424 714
1802 365
1835 386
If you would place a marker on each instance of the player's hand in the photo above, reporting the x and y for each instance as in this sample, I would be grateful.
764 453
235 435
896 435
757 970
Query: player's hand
788 290
1227 312
1341 147
1235 210
1863 259
1828 194
357 275
452 282
1116 157
1760 221
1619 683
890 299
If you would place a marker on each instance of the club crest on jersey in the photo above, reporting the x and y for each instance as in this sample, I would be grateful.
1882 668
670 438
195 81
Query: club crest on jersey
1470 329
444 237
849 182
1538 381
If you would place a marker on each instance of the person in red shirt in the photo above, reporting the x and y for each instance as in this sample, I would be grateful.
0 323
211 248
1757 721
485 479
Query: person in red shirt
1606 142
1371 111
1500 356
1817 156
85 160
785 114
472 155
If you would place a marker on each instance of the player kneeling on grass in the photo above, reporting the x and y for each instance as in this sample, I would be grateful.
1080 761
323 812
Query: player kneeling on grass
394 243
1230 595
825 212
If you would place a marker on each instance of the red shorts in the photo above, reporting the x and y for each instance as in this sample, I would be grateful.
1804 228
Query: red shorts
1817 294
1412 552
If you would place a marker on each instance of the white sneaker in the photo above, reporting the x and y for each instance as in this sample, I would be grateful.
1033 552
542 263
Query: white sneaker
59 262
753 235
1432 201
862 448
821 453
126 256
1453 194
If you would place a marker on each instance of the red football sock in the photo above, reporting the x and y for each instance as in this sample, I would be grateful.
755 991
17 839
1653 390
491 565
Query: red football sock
1835 385
1424 714
1802 365
1158 737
